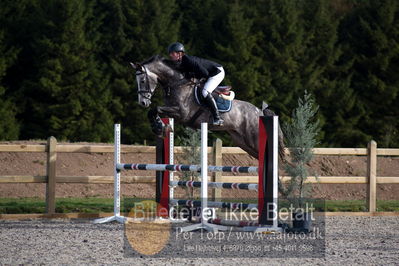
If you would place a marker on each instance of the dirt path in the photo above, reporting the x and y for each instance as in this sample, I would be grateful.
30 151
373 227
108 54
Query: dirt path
348 240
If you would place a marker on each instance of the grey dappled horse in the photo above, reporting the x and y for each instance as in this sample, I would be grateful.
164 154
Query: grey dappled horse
241 122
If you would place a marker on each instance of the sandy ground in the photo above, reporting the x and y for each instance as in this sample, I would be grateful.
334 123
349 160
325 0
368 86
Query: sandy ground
348 241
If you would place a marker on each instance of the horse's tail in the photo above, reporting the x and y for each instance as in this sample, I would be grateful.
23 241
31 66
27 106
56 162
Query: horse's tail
281 146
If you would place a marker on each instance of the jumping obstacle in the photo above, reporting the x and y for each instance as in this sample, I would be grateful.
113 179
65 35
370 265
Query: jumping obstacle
267 186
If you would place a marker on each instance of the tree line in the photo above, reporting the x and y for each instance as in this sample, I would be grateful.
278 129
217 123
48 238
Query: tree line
64 64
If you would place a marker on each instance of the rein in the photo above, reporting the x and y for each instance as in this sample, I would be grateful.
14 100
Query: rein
167 87
170 85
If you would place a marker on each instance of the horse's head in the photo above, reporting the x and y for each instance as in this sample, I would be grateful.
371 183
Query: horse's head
151 72
146 83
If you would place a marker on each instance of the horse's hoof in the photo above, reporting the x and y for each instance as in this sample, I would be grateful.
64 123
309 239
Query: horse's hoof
168 128
165 130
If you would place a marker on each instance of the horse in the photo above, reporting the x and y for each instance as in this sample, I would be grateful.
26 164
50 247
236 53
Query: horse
241 122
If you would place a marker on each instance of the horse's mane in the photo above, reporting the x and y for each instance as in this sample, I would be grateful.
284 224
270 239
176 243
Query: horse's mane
172 64
152 59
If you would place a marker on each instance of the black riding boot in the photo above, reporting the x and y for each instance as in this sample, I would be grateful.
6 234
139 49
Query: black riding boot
217 120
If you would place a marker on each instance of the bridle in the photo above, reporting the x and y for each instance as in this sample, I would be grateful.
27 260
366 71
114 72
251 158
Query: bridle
143 92
147 89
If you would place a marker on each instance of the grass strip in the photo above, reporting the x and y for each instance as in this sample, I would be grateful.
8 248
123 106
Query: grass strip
96 205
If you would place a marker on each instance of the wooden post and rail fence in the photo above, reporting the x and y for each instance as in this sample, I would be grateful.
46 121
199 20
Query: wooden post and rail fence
52 148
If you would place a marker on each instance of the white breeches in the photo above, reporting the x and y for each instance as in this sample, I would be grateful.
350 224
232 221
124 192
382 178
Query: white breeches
213 82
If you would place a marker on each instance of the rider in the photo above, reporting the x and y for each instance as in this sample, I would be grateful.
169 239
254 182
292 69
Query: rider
201 68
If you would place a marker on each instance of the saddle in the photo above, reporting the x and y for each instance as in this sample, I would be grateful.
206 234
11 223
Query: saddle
225 92
223 96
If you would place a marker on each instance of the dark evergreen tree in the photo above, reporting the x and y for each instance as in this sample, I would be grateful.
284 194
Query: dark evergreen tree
144 28
64 65
67 95
113 51
323 72
238 52
20 27
202 26
9 127
282 46
372 34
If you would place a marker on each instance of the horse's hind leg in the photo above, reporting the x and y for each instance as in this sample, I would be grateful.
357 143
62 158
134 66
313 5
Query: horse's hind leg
281 145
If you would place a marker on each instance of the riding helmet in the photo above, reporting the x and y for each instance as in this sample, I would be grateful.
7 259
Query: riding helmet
176 47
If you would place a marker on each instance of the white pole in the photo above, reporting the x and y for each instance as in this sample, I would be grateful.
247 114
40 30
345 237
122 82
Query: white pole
275 170
117 174
117 180
204 168
204 188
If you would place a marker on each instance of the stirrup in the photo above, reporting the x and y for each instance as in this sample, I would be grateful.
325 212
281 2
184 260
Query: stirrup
218 122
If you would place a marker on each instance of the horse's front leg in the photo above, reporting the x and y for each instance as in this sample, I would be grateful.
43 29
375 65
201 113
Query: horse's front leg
156 123
158 127
169 111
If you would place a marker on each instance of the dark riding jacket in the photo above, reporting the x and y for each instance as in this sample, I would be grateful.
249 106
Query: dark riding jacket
199 68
